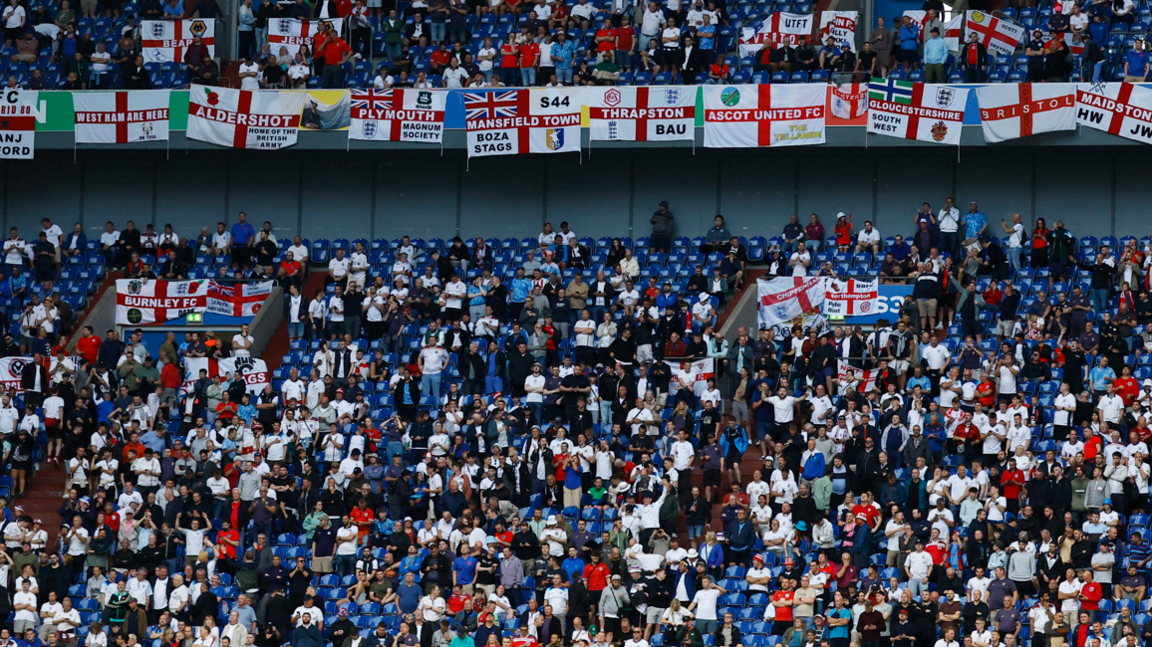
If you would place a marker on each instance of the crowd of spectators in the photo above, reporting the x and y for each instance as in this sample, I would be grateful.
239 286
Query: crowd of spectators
496 442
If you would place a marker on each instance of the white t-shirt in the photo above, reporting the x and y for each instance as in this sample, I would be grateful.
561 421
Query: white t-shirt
349 547
534 381
25 598
315 612
14 16
240 338
249 82
705 600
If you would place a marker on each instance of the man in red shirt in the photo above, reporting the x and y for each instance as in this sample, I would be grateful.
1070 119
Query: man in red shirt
1126 386
1090 593
606 38
88 346
783 601
439 58
1011 481
336 54
228 539
625 43
867 510
596 575
529 60
458 600
289 270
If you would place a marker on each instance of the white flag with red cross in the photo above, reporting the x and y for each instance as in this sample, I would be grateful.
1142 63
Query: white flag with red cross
253 370
784 299
263 119
398 115
1013 110
240 300
166 41
850 298
639 114
121 117
18 110
1122 109
865 380
693 374
146 301
291 33
998 35
839 25
749 116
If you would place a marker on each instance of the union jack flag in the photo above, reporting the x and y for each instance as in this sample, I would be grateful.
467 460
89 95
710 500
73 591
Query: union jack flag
372 99
488 105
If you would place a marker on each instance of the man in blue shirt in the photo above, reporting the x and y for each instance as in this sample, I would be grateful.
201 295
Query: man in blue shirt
242 235
521 286
1136 63
909 44
563 53
935 55
464 569
975 221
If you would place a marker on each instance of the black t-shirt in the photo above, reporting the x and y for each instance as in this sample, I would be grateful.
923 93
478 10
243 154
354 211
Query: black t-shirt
866 59
273 75
484 577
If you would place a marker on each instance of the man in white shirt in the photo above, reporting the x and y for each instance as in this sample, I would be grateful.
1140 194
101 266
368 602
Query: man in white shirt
1110 406
432 361
868 240
24 602
339 267
682 452
242 342
639 417
918 567
359 266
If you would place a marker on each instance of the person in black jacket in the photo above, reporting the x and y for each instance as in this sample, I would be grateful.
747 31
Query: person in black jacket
974 59
34 380
406 407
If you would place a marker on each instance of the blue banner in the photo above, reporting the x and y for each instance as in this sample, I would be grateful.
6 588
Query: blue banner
888 302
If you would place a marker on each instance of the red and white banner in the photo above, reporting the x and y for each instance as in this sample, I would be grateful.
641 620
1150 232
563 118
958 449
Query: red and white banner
780 27
121 117
840 25
18 110
998 35
255 371
240 300
933 113
848 101
263 119
398 115
291 33
1014 110
166 41
850 298
1122 109
638 114
695 373
11 369
784 299
748 116
518 122
141 301
865 379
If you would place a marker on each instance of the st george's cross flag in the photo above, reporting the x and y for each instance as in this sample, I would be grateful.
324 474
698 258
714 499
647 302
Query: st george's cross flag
518 122
780 27
785 298
262 119
927 112
950 32
398 115
749 116
642 113
18 110
166 41
692 374
840 26
1122 109
848 101
291 33
240 300
850 298
146 301
121 117
997 34
865 379
1013 110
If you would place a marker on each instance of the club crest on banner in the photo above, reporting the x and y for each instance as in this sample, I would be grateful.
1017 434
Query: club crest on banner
158 29
555 138
612 97
135 286
730 97
16 367
285 25
369 128
944 96
939 131
424 100
672 96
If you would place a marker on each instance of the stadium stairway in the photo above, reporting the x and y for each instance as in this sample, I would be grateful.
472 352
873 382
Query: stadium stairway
279 346
43 498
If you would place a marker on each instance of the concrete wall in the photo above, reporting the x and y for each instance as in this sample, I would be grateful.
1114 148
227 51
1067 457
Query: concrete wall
330 194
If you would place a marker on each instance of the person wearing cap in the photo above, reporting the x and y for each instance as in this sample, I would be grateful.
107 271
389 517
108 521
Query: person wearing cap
614 599
935 56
